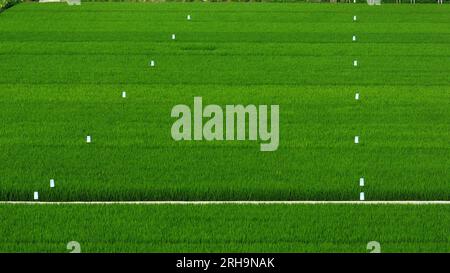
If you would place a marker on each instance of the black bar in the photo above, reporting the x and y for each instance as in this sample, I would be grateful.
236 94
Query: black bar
228 262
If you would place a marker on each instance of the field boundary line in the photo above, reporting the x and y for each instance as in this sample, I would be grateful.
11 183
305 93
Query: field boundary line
226 203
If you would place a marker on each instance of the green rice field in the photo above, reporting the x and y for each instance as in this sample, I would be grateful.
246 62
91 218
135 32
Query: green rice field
62 80
63 70
225 228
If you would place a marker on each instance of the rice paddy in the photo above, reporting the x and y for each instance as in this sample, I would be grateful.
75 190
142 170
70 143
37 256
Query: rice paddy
62 80
86 94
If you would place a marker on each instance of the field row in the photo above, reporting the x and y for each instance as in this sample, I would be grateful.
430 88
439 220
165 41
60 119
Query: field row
224 228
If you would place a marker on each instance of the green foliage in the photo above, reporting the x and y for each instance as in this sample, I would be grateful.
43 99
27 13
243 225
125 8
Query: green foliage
4 4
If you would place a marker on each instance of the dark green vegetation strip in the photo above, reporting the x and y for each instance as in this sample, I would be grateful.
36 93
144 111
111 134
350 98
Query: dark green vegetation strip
4 4
224 228
63 69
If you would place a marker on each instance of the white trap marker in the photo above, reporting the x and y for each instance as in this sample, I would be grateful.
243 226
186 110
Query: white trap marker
356 139
355 63
173 36
354 38
124 94
189 17
357 96
361 182
88 139
52 183
361 196
36 195
354 18
152 63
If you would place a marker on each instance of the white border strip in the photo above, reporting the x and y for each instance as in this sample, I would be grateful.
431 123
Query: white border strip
226 203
